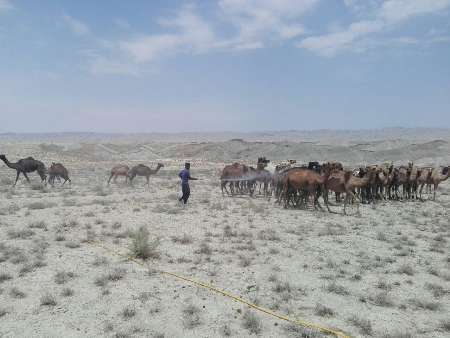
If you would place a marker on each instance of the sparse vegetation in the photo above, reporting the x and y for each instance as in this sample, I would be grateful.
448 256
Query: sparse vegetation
364 325
141 247
323 311
252 322
191 316
17 293
48 300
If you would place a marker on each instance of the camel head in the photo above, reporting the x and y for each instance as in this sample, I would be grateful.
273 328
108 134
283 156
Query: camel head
160 165
446 171
3 157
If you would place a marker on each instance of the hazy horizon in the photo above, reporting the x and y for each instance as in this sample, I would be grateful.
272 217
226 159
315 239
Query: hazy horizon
238 65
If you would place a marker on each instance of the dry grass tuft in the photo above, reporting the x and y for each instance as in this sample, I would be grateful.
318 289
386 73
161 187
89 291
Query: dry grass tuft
17 293
4 276
301 332
323 311
406 269
252 322
191 316
67 292
185 239
20 234
364 325
425 304
48 300
333 287
445 325
141 247
128 312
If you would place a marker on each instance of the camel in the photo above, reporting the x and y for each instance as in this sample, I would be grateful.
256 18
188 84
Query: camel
401 178
233 174
424 178
433 177
143 170
303 179
262 175
345 182
119 170
26 165
57 170
412 181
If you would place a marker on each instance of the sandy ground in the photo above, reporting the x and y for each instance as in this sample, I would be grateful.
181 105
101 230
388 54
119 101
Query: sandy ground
383 273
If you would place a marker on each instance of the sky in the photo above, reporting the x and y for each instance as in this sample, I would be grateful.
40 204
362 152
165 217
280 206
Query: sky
223 65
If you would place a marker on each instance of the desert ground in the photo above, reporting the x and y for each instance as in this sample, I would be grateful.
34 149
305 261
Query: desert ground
64 271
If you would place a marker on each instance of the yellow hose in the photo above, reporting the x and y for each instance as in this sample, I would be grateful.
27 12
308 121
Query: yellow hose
226 294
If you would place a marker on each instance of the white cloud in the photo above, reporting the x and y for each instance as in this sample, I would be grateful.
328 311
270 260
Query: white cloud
256 24
147 48
398 10
388 14
76 26
101 65
331 44
5 5
258 21
191 34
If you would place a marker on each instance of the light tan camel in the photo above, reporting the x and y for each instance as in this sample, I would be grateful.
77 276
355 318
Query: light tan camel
119 170
143 170
433 177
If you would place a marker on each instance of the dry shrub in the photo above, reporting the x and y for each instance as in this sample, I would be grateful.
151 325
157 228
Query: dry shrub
251 322
141 247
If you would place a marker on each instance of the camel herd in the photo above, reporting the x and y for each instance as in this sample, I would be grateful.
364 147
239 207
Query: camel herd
58 171
298 186
290 184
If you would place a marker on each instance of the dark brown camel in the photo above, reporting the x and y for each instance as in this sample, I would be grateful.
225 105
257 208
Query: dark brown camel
143 170
57 170
119 170
26 165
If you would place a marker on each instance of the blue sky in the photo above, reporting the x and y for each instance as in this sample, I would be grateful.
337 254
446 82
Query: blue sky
244 65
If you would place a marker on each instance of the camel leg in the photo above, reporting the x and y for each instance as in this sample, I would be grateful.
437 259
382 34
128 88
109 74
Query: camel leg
109 180
17 177
148 180
434 191
26 176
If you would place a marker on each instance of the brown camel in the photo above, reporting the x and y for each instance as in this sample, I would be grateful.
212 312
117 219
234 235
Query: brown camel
423 179
143 170
433 177
303 179
57 170
26 165
119 170
233 175
412 181
345 182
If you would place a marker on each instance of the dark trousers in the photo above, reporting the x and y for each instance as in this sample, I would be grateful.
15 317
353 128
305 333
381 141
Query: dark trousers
186 192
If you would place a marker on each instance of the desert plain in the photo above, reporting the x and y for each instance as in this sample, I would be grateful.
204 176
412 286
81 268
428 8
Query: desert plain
64 251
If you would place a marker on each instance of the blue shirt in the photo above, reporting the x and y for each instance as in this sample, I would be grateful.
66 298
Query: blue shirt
185 176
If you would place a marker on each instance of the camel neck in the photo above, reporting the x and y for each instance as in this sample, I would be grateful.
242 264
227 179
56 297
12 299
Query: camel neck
9 164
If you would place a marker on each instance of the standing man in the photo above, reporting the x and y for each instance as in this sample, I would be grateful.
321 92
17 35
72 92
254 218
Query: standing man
185 176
